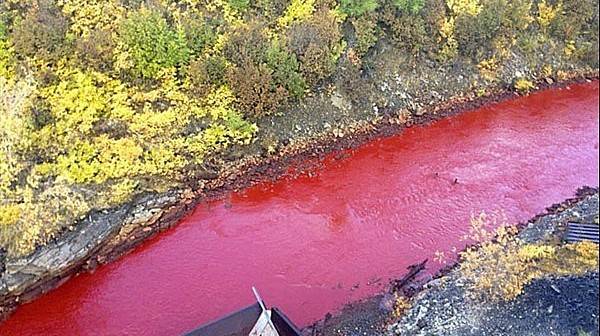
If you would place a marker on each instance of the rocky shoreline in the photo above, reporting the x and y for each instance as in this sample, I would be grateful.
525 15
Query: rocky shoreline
549 306
104 236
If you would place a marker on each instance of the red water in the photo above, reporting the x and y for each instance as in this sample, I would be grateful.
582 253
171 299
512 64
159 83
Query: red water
315 243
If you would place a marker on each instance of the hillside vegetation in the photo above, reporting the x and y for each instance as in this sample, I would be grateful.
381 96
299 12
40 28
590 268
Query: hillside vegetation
102 100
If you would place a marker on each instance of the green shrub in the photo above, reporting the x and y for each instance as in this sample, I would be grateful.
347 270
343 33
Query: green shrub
239 5
199 33
3 29
286 69
410 30
151 44
273 72
366 32
358 7
409 6
475 34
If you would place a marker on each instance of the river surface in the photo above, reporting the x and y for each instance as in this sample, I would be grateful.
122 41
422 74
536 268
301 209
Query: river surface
313 243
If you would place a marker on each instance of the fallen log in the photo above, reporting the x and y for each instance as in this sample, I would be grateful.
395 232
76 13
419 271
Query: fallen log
398 286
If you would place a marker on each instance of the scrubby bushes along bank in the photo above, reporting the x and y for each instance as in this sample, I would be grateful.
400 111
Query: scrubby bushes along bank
101 100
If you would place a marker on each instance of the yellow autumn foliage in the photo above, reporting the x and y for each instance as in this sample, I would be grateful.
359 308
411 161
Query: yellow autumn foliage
468 7
524 85
101 100
6 59
297 11
89 15
498 269
15 125
104 134
547 13
447 25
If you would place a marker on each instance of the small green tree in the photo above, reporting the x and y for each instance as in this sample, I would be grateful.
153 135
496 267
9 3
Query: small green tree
286 70
358 7
151 44
409 6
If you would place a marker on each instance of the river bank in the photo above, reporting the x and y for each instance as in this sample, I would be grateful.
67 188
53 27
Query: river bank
112 128
104 236
348 226
559 305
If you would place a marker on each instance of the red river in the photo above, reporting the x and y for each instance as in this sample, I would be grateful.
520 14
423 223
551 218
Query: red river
312 244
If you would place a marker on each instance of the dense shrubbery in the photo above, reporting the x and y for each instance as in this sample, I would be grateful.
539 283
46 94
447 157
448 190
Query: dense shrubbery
6 51
255 88
41 31
317 44
493 29
286 70
409 6
366 31
407 26
103 99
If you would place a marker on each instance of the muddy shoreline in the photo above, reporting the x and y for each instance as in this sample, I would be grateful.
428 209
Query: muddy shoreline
373 315
106 235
